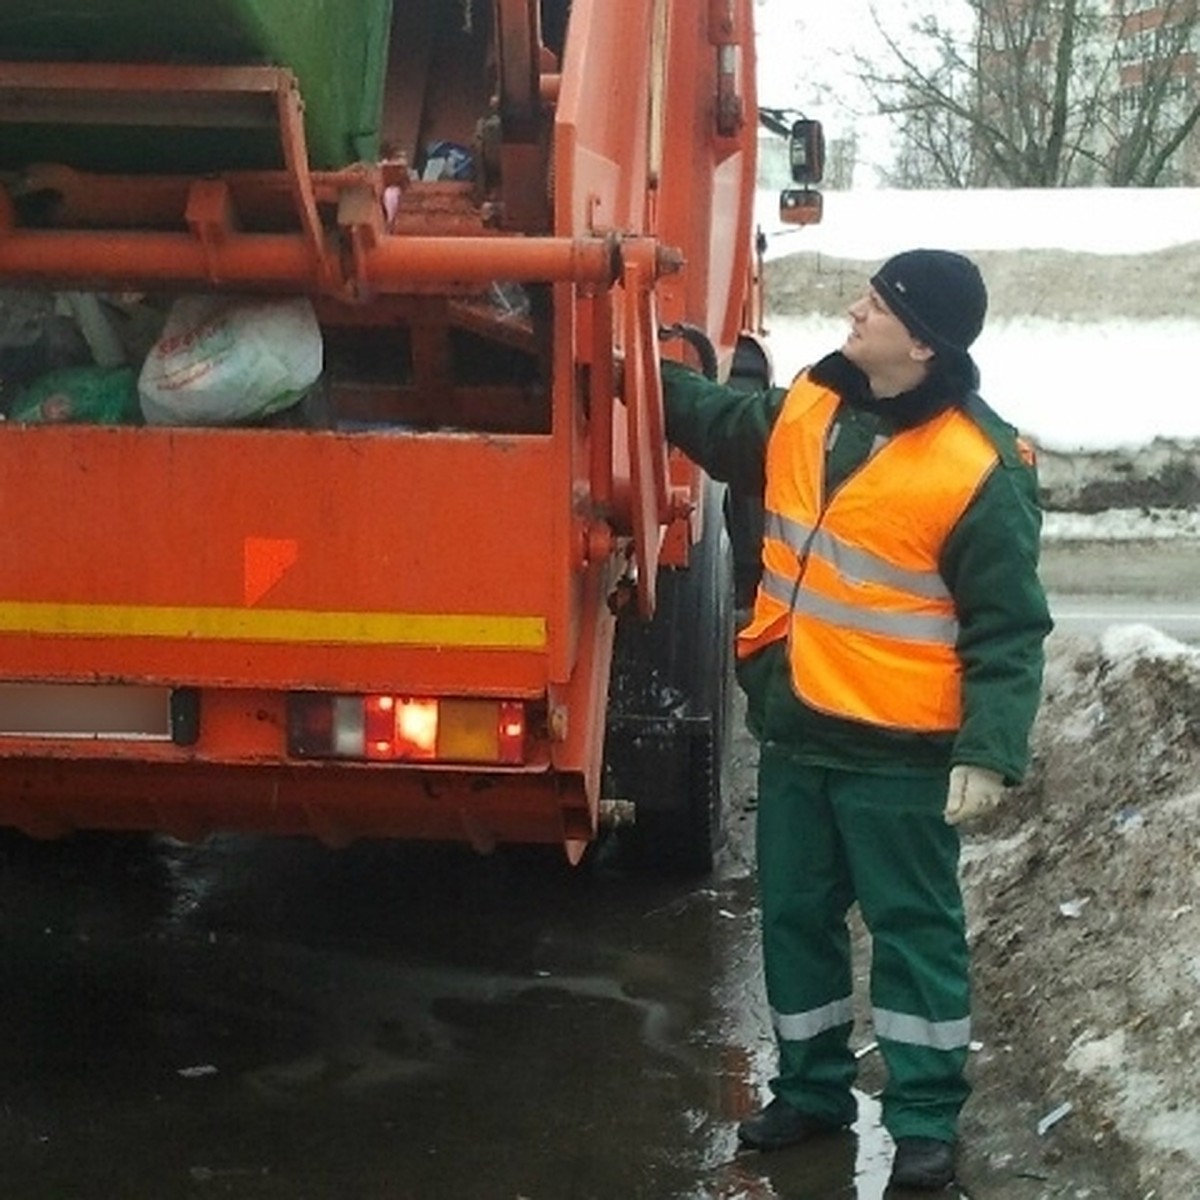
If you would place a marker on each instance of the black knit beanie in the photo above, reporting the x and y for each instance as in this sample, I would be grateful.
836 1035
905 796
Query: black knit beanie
939 295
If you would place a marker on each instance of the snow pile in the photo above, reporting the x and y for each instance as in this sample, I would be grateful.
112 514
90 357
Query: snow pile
873 223
1095 299
1122 525
1067 385
1157 477
1085 919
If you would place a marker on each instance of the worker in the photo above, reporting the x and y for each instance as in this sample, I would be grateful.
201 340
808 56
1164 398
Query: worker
892 666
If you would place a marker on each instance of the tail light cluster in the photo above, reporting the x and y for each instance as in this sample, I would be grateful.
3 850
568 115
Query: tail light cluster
387 728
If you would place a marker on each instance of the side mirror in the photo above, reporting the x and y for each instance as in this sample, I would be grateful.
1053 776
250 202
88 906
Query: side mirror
806 151
800 206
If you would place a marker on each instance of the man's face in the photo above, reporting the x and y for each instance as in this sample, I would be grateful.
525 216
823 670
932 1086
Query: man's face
878 342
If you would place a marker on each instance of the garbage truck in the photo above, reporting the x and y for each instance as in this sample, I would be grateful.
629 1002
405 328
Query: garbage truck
334 494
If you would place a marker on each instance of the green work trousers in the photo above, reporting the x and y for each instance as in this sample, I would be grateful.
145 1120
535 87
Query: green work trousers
827 838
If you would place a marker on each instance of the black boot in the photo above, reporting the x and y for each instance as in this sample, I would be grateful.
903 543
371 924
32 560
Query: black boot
923 1163
779 1125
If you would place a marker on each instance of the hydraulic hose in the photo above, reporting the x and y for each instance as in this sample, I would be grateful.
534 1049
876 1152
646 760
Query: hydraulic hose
698 340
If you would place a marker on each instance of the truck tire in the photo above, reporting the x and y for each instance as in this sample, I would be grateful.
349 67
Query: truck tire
670 709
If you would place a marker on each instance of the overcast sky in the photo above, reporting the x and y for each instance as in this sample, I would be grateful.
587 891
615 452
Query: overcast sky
806 60
806 50
796 39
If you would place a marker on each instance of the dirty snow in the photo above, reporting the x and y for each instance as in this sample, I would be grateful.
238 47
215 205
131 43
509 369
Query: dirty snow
1095 310
1082 892
1084 917
1122 525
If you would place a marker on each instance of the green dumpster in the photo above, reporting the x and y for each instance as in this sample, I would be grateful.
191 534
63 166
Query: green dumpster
337 49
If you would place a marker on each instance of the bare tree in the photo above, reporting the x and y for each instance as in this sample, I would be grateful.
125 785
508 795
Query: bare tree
841 157
1158 102
1041 93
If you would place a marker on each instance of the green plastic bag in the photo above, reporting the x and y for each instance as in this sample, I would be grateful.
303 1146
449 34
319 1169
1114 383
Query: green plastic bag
80 395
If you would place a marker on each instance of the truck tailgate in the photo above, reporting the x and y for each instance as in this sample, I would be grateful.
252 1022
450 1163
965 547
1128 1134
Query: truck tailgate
287 559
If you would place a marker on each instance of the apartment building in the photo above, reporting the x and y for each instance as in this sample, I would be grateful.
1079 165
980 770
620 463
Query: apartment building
1158 47
1132 84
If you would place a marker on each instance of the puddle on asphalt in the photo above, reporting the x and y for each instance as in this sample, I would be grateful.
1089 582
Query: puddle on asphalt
270 1019
851 1166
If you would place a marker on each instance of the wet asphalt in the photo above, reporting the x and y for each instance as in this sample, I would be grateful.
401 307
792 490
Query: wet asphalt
270 1019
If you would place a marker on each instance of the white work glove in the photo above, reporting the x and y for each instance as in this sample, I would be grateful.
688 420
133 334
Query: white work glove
973 792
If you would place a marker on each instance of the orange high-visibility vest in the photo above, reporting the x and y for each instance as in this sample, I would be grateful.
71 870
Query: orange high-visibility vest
852 579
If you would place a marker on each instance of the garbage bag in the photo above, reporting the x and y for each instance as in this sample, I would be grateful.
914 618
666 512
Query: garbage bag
447 160
35 338
80 395
230 360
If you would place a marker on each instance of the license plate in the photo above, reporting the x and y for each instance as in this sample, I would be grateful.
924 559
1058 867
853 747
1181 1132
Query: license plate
85 710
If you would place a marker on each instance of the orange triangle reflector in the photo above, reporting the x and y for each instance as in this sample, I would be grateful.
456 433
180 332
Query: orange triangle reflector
267 560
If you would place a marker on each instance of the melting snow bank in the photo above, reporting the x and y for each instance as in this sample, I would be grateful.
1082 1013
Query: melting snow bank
1122 525
871 223
1070 387
1080 350
1085 917
1160 480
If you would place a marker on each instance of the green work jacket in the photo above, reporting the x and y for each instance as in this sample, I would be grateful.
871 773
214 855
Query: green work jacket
989 564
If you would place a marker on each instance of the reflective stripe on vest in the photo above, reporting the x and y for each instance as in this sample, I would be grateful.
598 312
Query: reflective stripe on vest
852 579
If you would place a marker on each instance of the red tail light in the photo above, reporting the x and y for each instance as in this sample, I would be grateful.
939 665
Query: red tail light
415 729
388 728
512 732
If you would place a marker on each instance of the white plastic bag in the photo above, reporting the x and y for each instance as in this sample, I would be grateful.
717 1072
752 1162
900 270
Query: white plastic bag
225 360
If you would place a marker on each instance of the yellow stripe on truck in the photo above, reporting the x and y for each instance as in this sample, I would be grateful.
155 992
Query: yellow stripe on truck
478 631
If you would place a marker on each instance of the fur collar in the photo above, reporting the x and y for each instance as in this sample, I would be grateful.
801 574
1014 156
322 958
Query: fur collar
938 392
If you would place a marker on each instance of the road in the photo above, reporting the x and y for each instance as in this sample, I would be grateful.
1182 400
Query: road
1093 614
265 1020
1093 585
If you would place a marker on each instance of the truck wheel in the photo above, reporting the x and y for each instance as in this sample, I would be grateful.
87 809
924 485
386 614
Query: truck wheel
670 709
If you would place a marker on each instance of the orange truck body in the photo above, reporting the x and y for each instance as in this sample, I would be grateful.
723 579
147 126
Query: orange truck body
465 533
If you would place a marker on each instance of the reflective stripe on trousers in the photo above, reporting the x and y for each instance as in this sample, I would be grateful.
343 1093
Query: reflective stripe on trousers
889 1026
